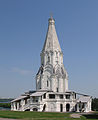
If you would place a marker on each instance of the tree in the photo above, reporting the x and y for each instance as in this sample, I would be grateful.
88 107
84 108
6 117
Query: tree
95 104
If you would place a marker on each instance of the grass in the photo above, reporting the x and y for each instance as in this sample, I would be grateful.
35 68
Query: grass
36 115
27 115
93 116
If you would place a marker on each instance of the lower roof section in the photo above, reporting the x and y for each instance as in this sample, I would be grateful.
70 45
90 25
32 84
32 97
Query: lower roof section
37 94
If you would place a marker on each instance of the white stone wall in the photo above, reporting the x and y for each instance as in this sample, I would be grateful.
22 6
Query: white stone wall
52 105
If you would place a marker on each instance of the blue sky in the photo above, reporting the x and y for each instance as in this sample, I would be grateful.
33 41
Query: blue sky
23 27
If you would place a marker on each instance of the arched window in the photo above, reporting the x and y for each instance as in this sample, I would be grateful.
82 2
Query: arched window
53 70
47 83
48 59
62 70
57 89
67 107
61 107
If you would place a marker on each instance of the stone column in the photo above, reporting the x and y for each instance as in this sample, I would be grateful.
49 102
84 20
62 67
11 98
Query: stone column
78 107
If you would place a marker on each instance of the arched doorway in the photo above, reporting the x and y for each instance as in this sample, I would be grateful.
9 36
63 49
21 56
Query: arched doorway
35 109
61 107
27 110
67 107
75 107
44 107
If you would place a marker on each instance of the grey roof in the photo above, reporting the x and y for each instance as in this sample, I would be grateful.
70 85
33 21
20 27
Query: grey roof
44 90
84 99
19 98
51 41
64 93
37 94
69 91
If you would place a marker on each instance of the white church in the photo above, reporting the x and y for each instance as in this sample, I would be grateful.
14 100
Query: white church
52 93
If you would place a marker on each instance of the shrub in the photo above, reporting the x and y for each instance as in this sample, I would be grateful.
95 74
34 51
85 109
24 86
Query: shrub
5 105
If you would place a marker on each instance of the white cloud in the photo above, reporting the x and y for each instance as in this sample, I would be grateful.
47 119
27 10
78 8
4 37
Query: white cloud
21 71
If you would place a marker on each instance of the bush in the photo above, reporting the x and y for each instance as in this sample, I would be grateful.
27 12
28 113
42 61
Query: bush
95 104
5 105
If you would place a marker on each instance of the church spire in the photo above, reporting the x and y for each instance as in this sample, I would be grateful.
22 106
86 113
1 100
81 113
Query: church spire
51 41
52 74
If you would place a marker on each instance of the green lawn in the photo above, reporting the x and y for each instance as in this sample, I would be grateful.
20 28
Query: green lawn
40 116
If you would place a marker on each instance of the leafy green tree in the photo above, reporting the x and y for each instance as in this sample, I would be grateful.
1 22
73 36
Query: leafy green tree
95 104
5 105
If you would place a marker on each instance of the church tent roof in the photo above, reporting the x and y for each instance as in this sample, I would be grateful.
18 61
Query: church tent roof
51 41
